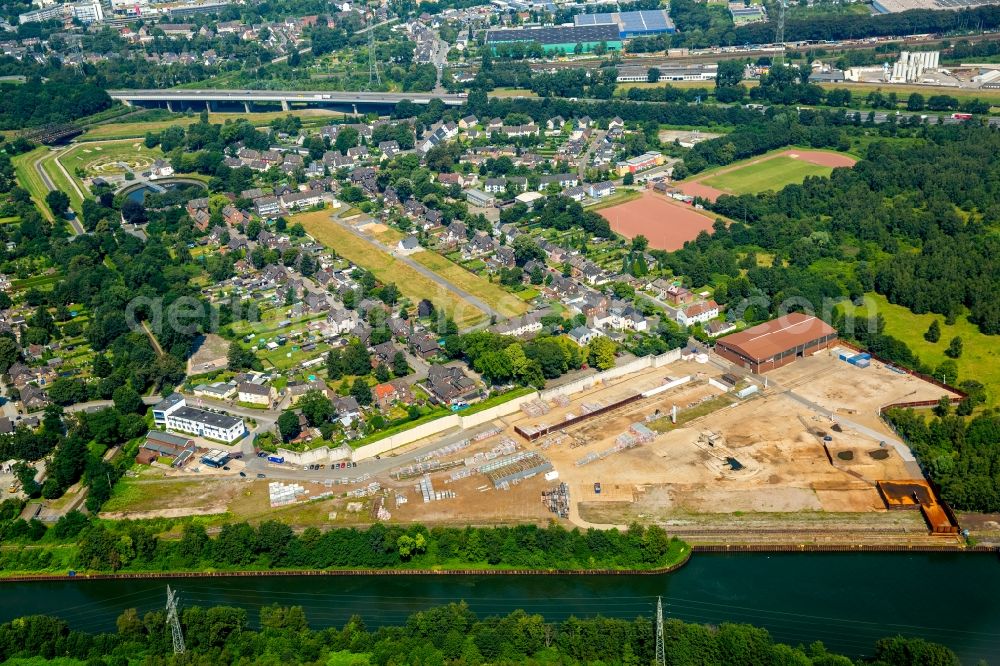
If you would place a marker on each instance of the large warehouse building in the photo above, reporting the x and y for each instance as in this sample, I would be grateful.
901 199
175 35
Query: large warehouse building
560 39
631 24
776 343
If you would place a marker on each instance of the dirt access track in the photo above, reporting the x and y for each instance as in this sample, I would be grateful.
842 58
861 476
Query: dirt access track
697 187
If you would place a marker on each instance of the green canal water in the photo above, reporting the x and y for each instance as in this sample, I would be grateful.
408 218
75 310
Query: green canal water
845 600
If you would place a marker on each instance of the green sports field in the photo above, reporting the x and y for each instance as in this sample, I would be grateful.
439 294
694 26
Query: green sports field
769 174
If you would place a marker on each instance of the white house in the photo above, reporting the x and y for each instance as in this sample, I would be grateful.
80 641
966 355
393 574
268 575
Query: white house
255 394
697 312
582 335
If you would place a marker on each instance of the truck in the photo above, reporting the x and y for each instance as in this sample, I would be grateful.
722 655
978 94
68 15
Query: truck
961 116
597 488
278 460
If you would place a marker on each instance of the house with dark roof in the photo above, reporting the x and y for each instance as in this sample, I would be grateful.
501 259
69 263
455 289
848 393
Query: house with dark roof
449 385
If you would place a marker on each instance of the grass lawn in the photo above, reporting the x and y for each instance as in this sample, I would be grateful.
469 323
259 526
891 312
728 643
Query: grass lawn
28 178
49 164
512 92
38 282
129 130
981 353
498 399
386 268
107 158
770 174
492 293
618 197
390 236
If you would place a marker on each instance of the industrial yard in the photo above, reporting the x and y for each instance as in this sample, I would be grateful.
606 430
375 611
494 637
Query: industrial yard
697 445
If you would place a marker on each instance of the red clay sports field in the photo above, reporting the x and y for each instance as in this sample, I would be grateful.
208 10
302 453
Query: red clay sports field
667 223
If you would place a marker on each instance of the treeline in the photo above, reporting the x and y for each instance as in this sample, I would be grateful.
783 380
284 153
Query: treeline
761 137
135 546
451 634
919 195
961 455
34 103
855 26
703 26
541 110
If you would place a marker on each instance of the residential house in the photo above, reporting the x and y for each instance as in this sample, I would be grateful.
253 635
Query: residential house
408 245
297 390
384 395
33 398
582 335
267 206
697 312
449 385
424 345
524 325
717 327
255 394
563 180
601 190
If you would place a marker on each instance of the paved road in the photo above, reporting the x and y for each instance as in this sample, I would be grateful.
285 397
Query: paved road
596 141
447 284
305 96
373 467
73 221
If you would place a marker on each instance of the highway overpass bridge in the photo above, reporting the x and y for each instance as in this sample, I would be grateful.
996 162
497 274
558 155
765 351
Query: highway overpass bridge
251 99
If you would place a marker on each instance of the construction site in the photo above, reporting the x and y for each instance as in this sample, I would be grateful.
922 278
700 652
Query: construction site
713 452
714 455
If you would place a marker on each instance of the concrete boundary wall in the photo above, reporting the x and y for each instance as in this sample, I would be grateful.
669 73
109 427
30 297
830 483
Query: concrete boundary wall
719 385
666 387
637 365
453 421
320 454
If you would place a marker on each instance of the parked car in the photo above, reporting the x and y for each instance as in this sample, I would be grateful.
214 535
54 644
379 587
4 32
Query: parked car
261 476
243 474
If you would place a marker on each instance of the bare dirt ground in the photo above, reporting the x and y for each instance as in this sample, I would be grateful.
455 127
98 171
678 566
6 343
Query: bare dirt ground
783 489
856 393
209 354
668 136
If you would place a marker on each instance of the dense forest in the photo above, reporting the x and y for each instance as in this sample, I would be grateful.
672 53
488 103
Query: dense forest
35 103
134 546
450 634
961 455
702 25
922 224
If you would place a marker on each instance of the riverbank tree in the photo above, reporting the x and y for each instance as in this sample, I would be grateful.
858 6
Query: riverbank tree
451 634
135 546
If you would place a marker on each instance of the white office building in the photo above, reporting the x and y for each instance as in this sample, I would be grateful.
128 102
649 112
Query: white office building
88 11
173 413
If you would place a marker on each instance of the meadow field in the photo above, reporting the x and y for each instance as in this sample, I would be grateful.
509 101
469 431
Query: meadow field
980 358
387 268
772 174
504 301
